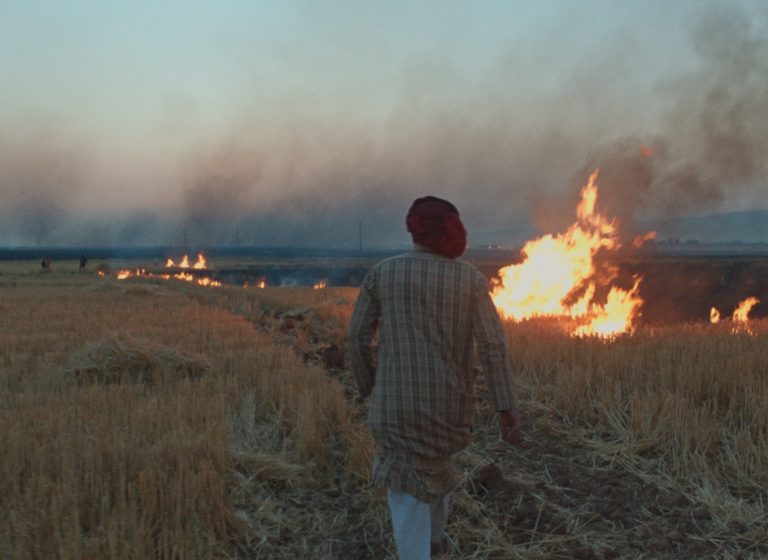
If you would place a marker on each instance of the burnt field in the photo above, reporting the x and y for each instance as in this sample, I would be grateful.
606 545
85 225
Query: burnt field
681 289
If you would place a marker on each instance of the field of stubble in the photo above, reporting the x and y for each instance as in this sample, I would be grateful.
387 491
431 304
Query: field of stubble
156 419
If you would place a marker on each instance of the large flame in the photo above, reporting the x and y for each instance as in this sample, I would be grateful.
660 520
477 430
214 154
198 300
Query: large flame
558 276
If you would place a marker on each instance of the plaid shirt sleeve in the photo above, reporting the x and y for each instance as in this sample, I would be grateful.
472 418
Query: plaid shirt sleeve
492 351
365 321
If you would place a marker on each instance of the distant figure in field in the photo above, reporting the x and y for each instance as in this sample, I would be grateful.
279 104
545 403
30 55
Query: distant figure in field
46 264
432 313
83 263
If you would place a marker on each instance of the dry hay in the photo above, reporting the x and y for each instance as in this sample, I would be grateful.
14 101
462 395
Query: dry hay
265 467
112 360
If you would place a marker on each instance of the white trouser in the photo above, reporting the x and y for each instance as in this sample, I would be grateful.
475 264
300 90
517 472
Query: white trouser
416 523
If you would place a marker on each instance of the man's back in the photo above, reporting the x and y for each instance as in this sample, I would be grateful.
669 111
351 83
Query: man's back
431 309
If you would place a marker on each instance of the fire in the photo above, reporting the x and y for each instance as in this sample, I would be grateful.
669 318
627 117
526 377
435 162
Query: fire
617 314
260 283
741 313
205 281
714 315
183 276
200 264
319 285
558 276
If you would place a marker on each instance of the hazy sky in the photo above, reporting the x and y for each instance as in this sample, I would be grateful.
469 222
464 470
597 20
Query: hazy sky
286 122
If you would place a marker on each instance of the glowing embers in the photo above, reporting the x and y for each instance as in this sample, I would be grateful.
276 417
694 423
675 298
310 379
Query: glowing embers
558 276
261 283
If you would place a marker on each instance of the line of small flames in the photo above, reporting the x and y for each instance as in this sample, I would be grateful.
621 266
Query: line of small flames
183 276
262 283
200 264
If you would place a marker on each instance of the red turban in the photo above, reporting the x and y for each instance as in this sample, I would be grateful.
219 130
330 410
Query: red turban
434 223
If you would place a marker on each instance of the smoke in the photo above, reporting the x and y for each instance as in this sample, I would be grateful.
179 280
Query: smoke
711 146
41 171
510 144
507 161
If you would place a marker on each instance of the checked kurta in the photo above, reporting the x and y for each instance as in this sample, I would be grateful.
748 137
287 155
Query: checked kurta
434 318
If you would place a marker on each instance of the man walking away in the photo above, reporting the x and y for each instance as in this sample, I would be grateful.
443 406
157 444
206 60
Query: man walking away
434 317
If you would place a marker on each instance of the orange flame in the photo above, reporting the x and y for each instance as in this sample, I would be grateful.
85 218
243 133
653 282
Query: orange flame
319 285
714 316
617 314
741 313
200 264
556 270
183 276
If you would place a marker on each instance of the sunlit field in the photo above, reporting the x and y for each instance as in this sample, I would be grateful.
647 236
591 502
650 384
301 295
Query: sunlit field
159 419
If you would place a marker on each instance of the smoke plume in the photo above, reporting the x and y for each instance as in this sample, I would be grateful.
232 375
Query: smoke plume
713 141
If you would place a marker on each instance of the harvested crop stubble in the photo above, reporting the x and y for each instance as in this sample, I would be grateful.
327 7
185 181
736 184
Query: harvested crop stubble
106 469
111 360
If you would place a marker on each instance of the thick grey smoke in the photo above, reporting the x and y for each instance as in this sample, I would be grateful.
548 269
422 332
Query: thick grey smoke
503 167
305 172
713 143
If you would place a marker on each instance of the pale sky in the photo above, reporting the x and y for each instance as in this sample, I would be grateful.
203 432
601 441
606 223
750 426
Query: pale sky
287 122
